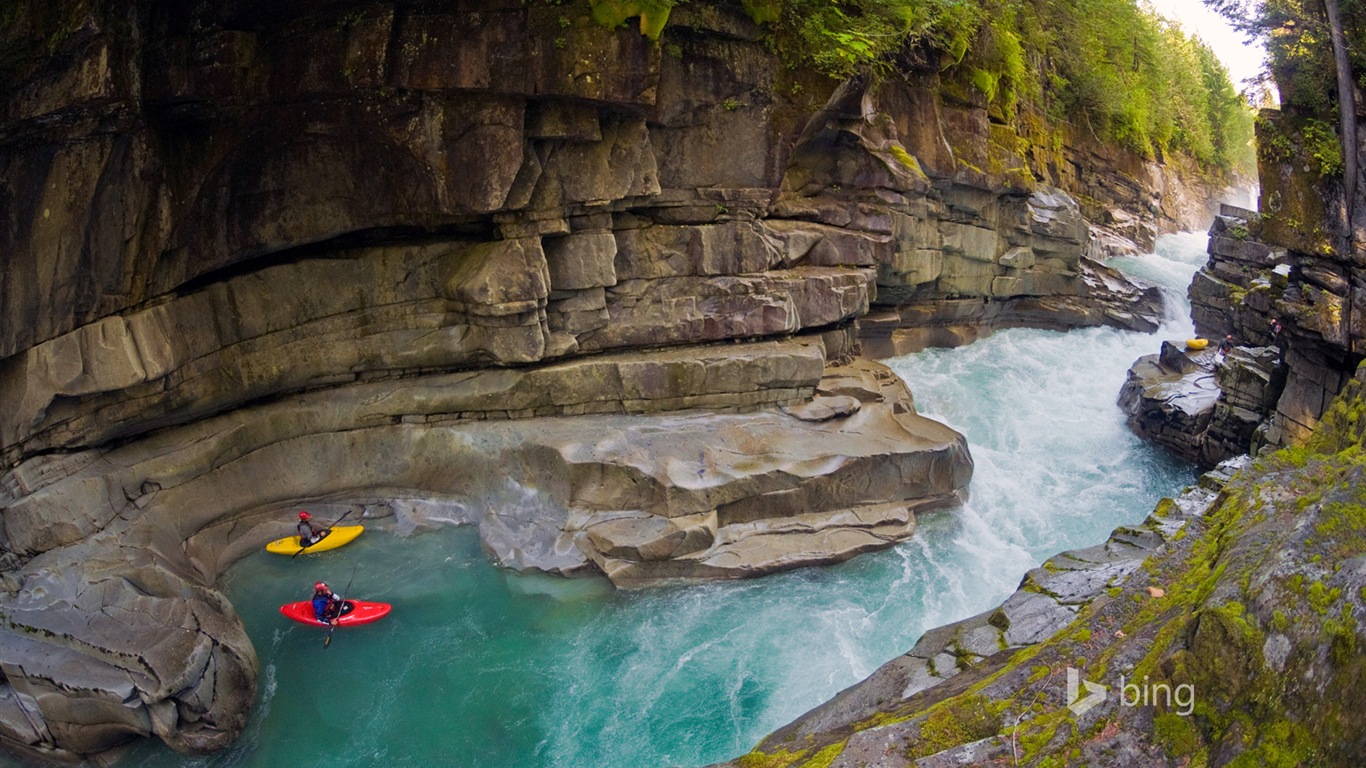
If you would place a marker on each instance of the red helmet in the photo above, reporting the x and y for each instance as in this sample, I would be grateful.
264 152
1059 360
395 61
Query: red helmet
320 586
305 516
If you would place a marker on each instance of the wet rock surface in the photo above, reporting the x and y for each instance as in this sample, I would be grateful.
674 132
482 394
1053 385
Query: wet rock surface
1230 635
263 255
1049 599
1170 398
1204 405
113 615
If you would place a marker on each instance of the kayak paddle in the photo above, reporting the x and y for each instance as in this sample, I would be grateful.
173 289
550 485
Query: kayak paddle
341 606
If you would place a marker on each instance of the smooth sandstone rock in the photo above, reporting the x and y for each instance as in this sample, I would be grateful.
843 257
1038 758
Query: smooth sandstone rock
546 494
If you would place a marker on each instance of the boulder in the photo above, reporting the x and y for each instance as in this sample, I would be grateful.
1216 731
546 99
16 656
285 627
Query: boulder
140 648
1171 406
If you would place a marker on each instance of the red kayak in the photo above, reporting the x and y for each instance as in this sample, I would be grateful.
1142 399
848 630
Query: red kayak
363 613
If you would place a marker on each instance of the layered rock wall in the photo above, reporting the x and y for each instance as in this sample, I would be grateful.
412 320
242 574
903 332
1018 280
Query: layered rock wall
1234 642
482 262
1294 264
1208 405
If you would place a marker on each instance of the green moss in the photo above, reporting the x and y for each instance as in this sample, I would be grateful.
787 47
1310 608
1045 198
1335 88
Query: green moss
984 81
904 157
652 22
1323 146
1279 621
825 756
959 721
780 759
1295 583
1281 744
763 11
1340 634
654 14
1038 734
1342 528
878 720
1321 597
963 656
1176 734
1165 507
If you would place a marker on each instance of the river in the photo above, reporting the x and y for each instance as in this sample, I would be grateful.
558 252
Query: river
481 667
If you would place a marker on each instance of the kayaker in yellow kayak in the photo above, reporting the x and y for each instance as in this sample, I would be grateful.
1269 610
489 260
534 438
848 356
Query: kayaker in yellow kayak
308 535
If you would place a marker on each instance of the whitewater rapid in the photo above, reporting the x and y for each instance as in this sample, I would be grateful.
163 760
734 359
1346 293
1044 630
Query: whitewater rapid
482 667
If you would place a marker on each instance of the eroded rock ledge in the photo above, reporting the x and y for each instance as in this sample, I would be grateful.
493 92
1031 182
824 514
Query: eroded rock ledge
601 301
1207 407
112 632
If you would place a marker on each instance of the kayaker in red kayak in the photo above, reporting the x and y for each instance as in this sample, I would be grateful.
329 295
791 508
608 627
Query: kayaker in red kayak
327 606
308 535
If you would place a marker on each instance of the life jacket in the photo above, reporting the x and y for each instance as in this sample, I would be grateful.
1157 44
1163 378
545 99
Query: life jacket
306 533
320 605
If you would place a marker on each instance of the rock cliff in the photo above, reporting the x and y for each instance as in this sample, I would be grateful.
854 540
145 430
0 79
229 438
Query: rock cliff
483 262
1222 631
1206 406
1226 630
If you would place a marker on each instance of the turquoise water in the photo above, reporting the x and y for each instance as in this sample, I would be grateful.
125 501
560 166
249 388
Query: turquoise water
480 667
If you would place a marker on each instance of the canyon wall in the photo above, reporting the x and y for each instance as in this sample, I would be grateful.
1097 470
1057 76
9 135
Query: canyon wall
1225 629
478 262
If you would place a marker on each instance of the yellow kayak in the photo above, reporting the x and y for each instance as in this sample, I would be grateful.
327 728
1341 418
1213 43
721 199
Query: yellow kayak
1197 343
339 537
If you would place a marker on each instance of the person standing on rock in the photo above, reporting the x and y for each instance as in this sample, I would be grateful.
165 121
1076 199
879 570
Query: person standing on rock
308 535
1224 347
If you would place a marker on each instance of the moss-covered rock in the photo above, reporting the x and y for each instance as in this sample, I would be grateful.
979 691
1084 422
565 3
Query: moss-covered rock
1237 643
